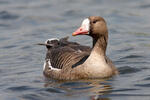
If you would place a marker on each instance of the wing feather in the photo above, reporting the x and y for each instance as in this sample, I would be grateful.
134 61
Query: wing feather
66 53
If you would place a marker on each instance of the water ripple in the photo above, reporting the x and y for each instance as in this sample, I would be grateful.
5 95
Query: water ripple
143 85
148 78
132 94
74 84
124 89
126 49
52 90
4 15
9 46
128 70
145 6
20 88
132 56
27 22
32 97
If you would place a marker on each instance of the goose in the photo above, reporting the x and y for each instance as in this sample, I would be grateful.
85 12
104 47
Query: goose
67 60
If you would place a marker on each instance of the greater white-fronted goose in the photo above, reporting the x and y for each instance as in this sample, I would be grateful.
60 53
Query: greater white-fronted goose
69 60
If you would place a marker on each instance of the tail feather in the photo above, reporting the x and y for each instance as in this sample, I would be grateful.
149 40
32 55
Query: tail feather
53 42
64 39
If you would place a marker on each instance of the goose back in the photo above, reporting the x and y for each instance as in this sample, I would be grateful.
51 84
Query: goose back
66 54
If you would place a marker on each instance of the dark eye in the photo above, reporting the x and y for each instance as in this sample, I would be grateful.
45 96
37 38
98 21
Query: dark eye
94 21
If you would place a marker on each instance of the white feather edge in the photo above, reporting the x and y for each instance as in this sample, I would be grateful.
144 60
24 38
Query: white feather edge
51 39
49 65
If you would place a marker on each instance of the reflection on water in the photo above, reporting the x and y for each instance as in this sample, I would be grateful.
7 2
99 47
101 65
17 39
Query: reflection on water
94 88
24 23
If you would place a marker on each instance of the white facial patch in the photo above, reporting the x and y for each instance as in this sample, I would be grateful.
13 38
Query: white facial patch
86 24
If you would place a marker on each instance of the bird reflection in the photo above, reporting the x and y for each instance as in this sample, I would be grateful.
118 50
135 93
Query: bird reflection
94 89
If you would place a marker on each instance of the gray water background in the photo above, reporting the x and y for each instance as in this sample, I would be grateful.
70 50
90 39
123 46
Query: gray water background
23 23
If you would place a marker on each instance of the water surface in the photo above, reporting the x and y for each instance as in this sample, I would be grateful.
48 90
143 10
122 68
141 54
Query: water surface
23 23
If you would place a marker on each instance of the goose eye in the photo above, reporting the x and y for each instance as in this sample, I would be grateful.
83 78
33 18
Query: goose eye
94 21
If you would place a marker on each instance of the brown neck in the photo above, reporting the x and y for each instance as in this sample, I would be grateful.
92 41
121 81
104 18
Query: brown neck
100 44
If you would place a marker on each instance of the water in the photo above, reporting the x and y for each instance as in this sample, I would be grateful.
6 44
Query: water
23 23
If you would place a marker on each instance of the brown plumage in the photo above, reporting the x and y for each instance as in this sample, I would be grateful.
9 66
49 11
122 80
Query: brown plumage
69 60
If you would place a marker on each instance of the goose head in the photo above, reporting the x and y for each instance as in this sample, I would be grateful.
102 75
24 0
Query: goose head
94 26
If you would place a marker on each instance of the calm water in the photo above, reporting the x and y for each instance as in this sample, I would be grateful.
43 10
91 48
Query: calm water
23 23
